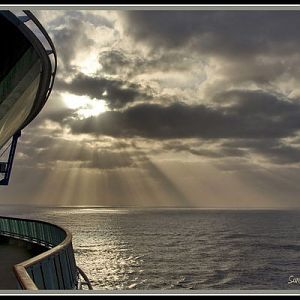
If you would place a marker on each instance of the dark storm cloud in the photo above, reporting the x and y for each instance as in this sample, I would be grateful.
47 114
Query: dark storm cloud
46 151
252 114
200 149
116 93
258 102
225 33
274 150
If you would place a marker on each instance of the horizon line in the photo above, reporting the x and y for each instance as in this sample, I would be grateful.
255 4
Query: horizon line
149 207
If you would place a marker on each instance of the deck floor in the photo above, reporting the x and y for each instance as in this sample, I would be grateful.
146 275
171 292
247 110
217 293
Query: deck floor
11 254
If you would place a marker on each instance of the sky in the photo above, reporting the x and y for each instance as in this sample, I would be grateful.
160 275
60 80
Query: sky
182 108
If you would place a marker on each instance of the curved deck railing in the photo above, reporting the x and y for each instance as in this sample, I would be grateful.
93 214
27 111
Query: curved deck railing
49 51
53 269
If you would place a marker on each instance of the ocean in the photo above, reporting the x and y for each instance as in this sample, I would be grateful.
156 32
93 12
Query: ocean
183 249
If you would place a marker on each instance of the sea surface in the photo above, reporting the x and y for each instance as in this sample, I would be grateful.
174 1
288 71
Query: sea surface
183 249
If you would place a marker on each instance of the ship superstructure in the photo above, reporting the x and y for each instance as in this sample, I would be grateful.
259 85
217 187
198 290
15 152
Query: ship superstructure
27 72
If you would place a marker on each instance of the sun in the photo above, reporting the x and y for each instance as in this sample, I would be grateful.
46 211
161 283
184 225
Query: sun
88 64
84 105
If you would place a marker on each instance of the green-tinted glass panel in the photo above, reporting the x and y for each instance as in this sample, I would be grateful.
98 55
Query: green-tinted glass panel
18 90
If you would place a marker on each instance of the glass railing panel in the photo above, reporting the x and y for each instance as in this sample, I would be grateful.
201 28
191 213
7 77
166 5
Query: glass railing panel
58 269
65 271
48 274
38 276
54 274
71 257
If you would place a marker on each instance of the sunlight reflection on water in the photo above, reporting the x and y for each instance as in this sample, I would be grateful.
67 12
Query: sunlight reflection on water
180 249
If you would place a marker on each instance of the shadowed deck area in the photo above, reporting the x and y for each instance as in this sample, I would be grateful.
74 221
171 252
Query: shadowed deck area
11 253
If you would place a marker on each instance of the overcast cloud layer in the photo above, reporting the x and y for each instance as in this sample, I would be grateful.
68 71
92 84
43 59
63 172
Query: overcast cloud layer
201 108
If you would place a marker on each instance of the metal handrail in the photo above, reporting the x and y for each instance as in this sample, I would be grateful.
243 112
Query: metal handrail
52 51
86 282
21 273
58 248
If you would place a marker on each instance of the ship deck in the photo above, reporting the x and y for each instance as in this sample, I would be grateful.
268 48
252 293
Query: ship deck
11 254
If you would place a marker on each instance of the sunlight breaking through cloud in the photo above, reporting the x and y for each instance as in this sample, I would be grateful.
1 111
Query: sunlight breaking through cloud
84 106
